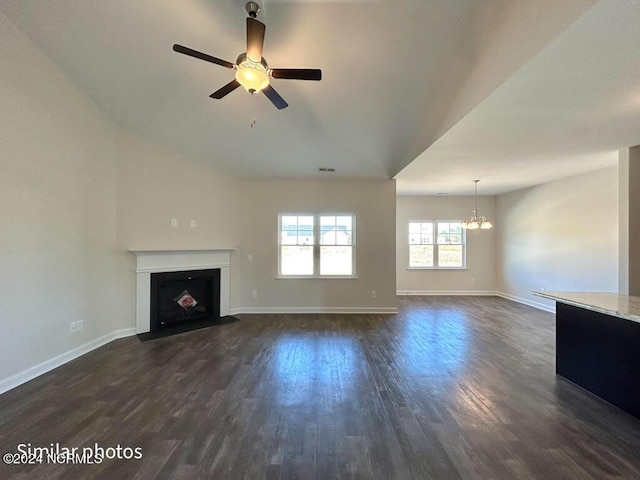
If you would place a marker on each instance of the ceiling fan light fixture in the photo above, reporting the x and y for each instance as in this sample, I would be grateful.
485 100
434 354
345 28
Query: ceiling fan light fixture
253 76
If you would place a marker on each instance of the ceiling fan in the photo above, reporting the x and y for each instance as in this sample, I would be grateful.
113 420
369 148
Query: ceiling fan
252 71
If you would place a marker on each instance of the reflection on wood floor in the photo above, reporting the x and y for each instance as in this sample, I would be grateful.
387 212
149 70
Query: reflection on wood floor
449 388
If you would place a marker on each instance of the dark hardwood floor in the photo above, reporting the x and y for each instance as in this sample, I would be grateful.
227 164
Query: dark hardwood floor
450 388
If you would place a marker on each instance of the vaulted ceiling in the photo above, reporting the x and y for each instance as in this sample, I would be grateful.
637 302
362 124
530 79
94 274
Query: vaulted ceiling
432 92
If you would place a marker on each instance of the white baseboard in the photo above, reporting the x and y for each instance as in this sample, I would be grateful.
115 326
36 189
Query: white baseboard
48 365
361 310
526 301
447 292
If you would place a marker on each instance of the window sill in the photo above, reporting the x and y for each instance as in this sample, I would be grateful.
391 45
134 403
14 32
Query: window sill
437 268
323 277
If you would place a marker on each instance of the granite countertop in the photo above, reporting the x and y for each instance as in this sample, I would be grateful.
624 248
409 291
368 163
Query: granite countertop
623 306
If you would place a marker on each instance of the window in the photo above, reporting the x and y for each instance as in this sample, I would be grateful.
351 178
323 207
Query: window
316 245
436 244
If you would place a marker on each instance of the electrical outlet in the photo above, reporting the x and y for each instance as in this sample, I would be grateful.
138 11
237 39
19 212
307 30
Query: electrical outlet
254 294
192 223
174 222
373 294
250 257
79 325
73 327
473 280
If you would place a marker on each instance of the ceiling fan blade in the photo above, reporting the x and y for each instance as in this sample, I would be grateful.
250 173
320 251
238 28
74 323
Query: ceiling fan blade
227 89
201 56
255 39
275 97
297 73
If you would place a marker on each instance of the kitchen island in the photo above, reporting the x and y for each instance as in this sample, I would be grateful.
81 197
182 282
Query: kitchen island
598 344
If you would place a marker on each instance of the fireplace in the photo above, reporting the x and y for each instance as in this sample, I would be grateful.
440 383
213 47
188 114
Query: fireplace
183 297
154 264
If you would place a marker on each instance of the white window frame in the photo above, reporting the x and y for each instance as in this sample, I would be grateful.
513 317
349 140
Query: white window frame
436 265
316 244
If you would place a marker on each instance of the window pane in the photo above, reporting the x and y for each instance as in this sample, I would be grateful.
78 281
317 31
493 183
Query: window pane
443 238
344 230
344 223
343 237
289 222
450 256
305 223
426 238
420 233
305 238
288 238
443 232
335 260
328 238
327 223
334 230
296 260
421 256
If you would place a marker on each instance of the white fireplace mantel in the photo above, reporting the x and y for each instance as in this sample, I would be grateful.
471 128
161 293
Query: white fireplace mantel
158 261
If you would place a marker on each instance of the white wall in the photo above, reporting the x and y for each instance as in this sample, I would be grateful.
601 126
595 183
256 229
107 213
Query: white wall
372 201
479 276
561 235
58 211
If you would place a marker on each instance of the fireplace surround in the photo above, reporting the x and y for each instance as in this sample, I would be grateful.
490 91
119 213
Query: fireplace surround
149 262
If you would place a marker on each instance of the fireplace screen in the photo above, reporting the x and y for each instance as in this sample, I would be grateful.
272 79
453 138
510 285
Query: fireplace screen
180 297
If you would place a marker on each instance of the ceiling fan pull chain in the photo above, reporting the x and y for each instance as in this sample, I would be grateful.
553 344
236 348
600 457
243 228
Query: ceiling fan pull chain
253 108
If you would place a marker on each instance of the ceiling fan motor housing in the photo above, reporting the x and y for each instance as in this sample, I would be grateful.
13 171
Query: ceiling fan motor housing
253 9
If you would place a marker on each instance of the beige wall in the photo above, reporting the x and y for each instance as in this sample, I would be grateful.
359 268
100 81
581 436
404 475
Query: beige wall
58 214
629 178
372 201
156 185
561 235
479 276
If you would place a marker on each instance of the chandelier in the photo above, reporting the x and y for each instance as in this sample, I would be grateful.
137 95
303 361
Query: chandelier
476 221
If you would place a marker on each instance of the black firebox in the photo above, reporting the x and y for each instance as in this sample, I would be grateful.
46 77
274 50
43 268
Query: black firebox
179 298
